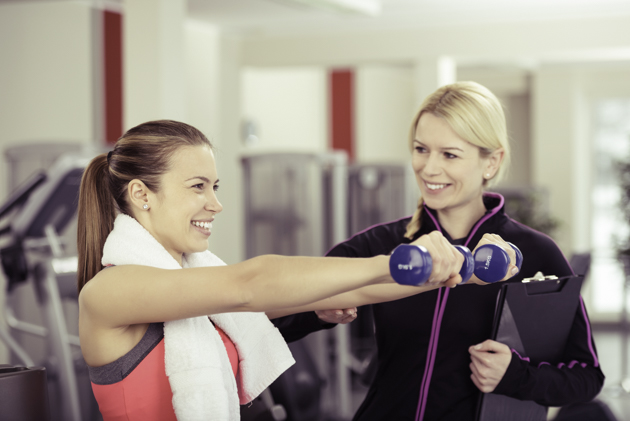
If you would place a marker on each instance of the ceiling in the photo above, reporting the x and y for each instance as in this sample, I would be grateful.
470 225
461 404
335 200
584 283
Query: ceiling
284 17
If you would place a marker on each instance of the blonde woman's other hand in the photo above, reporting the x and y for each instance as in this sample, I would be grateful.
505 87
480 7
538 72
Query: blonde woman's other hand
341 316
498 241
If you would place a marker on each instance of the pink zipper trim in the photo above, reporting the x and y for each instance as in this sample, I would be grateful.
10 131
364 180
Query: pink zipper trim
435 330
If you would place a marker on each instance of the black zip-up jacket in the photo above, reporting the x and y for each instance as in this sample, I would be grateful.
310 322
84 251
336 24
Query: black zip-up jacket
423 361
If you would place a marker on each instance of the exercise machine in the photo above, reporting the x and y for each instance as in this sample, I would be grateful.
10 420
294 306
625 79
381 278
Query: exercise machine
33 251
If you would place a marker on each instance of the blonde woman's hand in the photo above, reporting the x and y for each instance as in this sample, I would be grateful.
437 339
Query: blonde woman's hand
489 361
497 240
341 316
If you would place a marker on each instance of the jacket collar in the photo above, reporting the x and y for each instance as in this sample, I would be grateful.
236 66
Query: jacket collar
494 206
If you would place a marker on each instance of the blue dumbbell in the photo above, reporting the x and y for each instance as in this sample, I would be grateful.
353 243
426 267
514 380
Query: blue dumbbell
492 262
412 265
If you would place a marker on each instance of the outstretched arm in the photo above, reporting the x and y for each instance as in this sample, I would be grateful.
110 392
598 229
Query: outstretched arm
125 295
447 261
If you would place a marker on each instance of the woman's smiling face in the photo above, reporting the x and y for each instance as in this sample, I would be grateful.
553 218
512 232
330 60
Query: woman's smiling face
449 170
180 215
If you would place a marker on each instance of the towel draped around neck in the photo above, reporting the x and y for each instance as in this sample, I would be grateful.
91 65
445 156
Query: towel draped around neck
196 361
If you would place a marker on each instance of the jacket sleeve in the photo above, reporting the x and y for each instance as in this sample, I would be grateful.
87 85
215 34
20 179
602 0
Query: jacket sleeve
374 241
297 326
578 378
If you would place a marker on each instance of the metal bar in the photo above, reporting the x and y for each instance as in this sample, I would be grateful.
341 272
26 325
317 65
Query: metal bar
58 339
341 332
16 349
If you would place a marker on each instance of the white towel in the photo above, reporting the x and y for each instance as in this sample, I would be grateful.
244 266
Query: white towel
197 364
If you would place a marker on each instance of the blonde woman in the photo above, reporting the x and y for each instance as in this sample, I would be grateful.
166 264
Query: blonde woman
434 353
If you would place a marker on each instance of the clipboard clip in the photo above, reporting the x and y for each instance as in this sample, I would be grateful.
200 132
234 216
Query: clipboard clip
540 277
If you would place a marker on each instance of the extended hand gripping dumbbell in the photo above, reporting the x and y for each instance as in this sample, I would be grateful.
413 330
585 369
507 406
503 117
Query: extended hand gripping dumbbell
412 265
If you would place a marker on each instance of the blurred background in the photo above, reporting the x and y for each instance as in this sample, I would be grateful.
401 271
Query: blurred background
309 104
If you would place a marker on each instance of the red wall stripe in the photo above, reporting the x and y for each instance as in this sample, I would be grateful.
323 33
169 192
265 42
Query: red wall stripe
112 28
342 111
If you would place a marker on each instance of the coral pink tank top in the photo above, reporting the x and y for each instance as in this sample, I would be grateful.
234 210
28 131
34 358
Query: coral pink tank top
135 386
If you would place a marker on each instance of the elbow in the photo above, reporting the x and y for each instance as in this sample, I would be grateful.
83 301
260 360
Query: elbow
250 282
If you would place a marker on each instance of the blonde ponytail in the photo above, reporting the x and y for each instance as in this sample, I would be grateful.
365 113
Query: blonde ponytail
414 225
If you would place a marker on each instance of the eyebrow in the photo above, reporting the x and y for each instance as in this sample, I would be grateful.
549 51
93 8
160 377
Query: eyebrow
443 149
206 179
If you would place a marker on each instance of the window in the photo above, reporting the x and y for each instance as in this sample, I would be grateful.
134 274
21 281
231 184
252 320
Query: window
611 144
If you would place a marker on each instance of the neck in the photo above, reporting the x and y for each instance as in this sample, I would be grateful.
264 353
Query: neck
459 221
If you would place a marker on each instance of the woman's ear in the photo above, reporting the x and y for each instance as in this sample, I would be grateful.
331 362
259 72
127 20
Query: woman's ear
493 163
139 195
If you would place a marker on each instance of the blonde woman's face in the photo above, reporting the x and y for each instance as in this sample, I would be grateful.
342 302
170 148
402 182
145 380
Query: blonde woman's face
449 170
181 214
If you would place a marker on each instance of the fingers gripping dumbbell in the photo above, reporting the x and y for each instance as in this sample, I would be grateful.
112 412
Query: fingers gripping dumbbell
492 262
412 265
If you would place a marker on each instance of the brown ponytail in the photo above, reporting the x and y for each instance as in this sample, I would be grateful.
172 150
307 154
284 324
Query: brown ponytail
95 219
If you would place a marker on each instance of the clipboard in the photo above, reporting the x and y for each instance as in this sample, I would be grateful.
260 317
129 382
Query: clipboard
535 319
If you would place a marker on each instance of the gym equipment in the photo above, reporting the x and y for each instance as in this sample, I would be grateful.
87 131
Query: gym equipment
412 265
39 210
23 393
296 204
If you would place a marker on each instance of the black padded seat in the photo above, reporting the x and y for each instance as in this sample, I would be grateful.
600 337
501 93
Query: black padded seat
23 394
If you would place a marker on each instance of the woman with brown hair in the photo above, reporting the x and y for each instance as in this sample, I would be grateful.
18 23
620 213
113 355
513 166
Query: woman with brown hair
167 329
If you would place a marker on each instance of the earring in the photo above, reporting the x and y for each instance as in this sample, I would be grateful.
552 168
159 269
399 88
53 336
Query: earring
145 206
487 175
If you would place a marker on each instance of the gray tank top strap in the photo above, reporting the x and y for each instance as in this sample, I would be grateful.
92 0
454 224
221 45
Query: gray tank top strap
117 370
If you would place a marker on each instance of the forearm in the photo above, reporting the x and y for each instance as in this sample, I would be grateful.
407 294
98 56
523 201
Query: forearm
272 283
371 294
297 326
577 377
551 385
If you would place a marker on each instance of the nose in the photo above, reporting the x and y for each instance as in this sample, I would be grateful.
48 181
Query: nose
213 204
432 165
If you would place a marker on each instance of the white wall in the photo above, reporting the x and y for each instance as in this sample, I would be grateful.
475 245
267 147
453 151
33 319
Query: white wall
384 106
288 107
153 61
202 43
228 236
511 84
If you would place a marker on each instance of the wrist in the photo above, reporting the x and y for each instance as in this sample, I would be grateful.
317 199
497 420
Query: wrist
382 270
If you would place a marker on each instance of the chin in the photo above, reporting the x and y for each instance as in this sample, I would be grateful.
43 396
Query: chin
432 202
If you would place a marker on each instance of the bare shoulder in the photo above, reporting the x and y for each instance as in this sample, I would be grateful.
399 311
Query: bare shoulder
101 294
104 338
100 284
